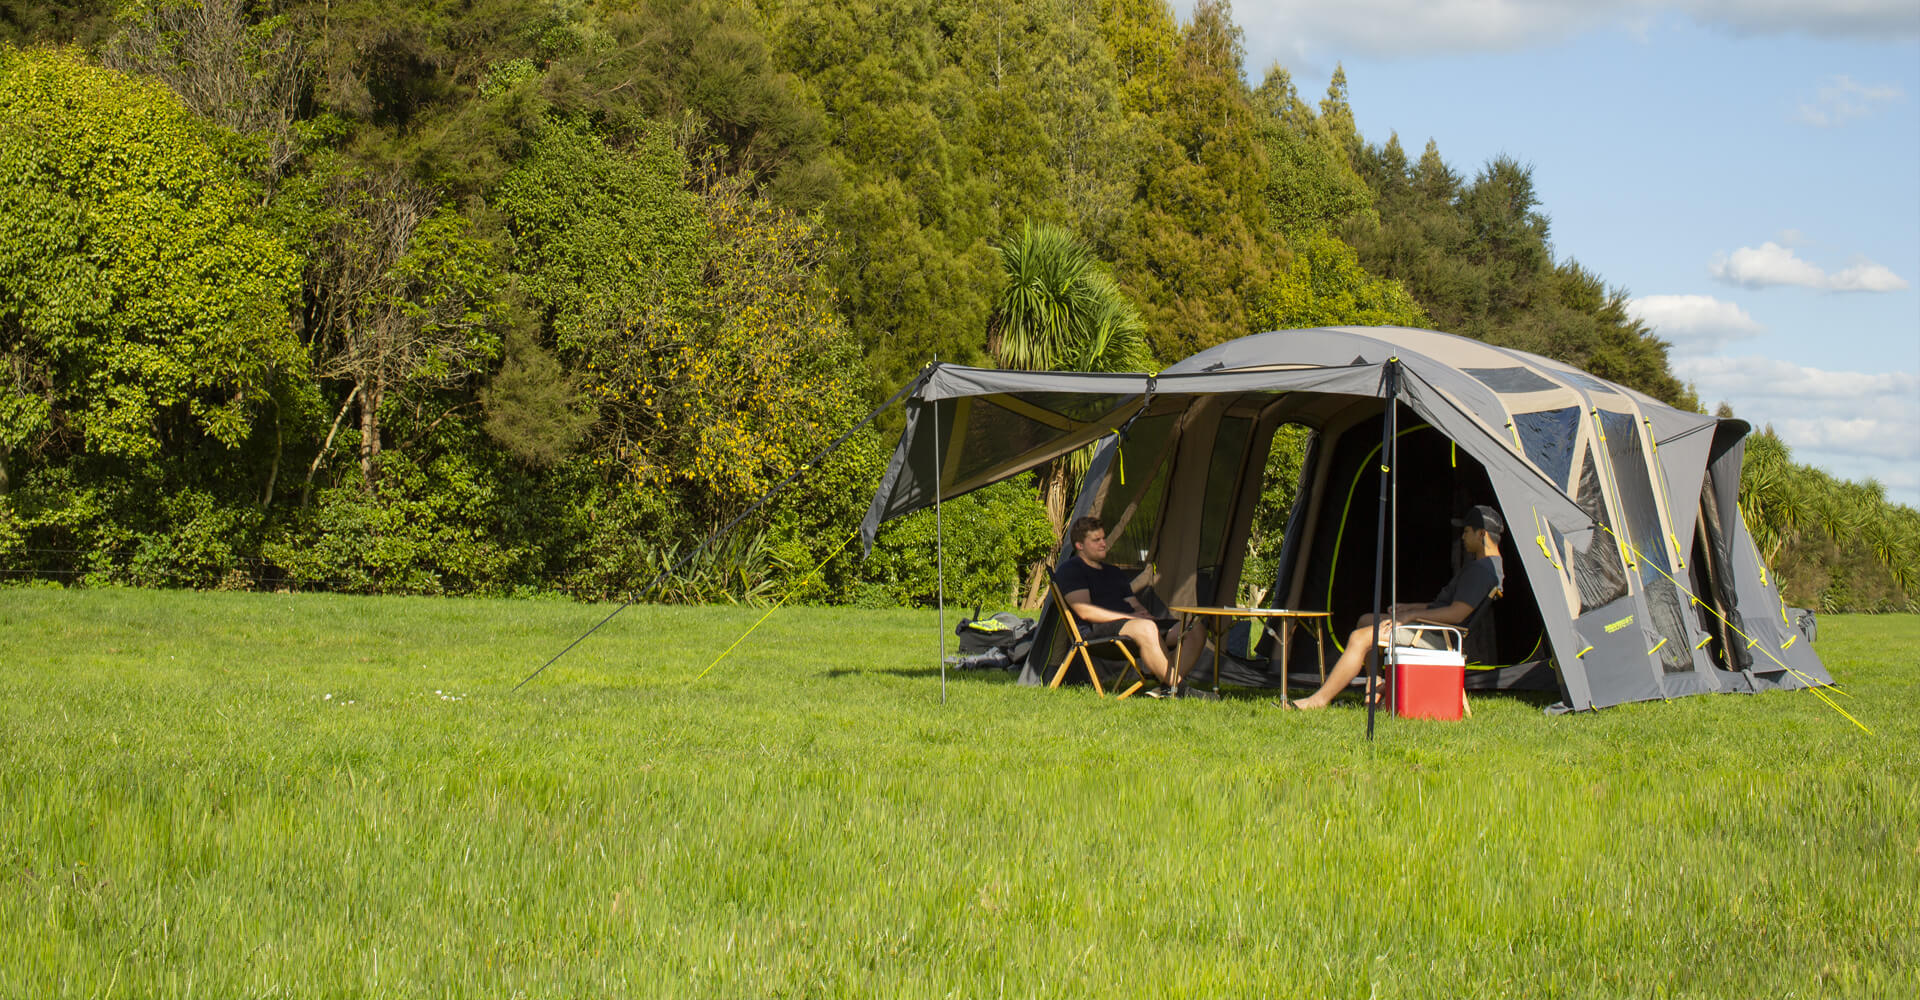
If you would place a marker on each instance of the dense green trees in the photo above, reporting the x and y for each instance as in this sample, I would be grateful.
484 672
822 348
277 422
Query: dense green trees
520 296
143 310
1837 545
1476 256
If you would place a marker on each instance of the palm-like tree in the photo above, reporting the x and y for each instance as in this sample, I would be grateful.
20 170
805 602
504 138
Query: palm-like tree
1782 501
1059 310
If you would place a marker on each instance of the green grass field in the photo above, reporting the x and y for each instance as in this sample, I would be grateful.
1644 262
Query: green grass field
238 795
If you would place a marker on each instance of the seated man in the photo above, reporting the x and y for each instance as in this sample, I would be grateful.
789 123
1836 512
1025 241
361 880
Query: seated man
1481 575
1101 596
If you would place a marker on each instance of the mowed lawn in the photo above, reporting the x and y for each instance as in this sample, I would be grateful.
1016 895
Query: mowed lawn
239 795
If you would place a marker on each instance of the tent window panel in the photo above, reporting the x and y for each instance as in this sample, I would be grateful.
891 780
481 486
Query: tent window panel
1511 380
1223 483
1075 407
1135 490
1633 477
1597 570
993 433
1547 438
1588 382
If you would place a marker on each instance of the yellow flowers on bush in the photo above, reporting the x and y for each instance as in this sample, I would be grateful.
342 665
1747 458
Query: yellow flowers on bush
727 395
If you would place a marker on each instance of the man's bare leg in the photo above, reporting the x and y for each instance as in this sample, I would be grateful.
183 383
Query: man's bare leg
1351 662
1146 636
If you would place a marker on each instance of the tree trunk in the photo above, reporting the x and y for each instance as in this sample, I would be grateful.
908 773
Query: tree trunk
306 489
1053 497
370 430
279 447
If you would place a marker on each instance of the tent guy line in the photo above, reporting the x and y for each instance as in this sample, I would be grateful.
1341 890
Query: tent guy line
634 598
795 589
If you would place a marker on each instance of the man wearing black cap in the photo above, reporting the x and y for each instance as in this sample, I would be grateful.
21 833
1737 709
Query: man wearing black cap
1480 531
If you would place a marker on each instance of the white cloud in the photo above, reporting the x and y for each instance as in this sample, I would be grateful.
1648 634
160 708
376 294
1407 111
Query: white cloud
1841 100
1869 19
1694 324
1861 436
1768 264
1771 264
1866 276
1407 27
1771 377
1857 424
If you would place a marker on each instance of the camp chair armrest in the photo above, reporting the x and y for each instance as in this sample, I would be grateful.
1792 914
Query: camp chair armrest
1450 636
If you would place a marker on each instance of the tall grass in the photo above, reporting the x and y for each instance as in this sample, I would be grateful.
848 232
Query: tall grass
267 795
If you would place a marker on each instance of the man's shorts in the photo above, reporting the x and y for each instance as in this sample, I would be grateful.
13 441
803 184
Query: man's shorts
1107 630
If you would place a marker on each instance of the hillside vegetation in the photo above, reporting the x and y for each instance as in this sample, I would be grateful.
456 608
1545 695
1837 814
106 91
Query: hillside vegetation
513 297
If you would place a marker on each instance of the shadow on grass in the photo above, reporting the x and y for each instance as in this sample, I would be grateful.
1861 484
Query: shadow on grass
986 676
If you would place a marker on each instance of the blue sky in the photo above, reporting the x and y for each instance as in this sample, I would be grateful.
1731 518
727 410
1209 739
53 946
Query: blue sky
1749 172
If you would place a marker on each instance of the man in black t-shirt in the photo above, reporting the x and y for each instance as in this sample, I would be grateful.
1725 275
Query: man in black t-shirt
1480 532
1101 596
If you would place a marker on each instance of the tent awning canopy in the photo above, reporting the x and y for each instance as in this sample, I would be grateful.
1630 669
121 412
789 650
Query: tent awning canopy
988 424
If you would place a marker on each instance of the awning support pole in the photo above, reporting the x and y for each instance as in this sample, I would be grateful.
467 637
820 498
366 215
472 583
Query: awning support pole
940 551
1390 388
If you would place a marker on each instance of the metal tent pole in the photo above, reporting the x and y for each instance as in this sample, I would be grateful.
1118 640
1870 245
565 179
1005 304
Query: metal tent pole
1391 384
940 552
1393 549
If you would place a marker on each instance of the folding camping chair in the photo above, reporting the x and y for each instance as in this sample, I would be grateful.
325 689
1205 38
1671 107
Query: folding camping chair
1080 646
1434 641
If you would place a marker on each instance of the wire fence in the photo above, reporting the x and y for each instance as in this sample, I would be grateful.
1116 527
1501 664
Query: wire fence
143 567
744 572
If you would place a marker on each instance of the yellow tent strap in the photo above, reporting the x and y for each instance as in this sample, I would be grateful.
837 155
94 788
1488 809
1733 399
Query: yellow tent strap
796 589
1613 485
1660 476
1753 643
1540 537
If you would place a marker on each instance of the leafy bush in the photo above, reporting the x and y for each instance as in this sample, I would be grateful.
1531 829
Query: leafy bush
433 529
201 544
991 536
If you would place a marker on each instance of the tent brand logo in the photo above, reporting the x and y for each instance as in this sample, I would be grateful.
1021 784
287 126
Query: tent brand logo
1617 626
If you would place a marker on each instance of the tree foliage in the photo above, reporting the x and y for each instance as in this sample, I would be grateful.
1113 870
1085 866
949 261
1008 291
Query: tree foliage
537 295
1477 258
1058 309
140 302
1843 546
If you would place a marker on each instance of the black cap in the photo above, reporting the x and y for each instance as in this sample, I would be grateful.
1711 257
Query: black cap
1482 518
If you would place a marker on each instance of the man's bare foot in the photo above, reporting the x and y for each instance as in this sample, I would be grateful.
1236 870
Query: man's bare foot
1309 703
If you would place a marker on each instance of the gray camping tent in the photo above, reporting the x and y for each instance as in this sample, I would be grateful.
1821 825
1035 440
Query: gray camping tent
1631 575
